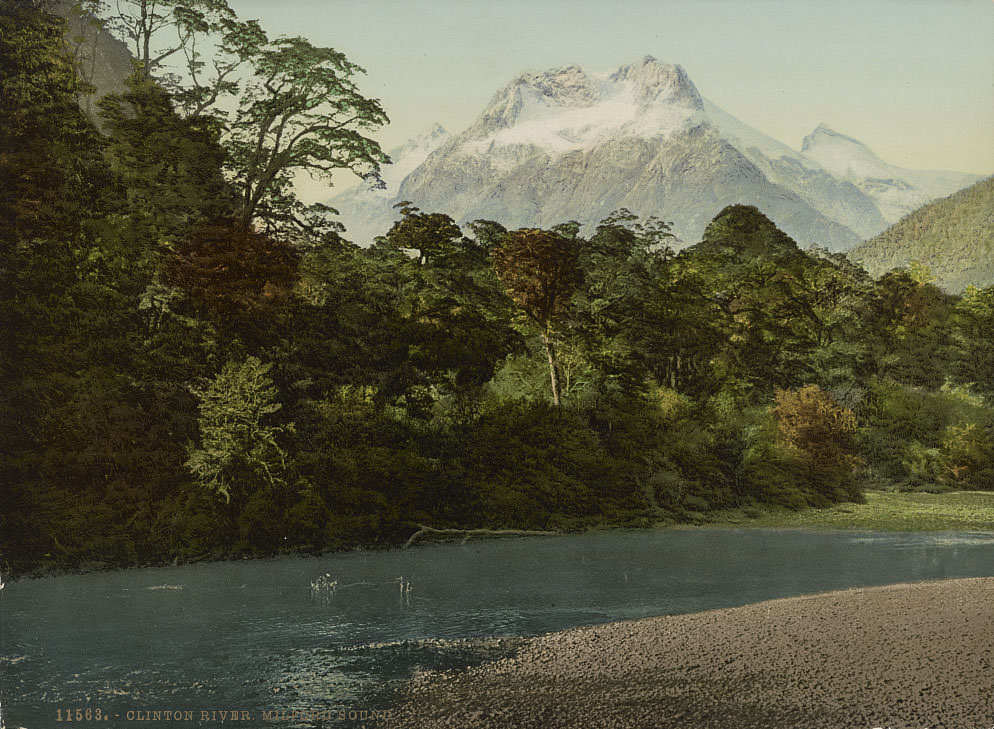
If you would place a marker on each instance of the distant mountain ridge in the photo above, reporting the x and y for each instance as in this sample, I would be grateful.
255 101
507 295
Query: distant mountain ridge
371 210
835 198
953 237
564 144
895 191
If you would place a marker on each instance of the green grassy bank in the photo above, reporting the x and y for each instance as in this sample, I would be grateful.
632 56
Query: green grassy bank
883 510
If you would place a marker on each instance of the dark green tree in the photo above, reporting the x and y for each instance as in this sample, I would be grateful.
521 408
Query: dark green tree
167 175
487 233
50 171
761 294
615 314
907 326
973 340
430 234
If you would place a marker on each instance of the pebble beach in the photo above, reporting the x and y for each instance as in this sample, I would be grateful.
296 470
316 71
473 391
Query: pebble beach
903 656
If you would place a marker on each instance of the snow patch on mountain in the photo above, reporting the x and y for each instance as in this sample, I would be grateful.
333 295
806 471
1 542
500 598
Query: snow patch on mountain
567 110
844 156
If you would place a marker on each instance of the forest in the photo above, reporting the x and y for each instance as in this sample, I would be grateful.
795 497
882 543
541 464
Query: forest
198 365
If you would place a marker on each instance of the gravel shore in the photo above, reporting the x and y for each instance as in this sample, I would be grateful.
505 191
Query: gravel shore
903 656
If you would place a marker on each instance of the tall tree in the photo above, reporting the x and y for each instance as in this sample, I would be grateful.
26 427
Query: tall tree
541 271
159 31
301 112
973 337
285 107
624 266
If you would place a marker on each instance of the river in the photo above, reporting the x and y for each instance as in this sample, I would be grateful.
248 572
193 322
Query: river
254 636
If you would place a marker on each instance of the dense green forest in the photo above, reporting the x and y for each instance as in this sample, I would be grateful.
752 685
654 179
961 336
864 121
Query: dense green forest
195 364
953 237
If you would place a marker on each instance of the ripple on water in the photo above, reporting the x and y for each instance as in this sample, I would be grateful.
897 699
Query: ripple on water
926 539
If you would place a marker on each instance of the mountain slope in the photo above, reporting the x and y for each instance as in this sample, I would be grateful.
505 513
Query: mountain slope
104 61
368 213
838 199
686 178
954 237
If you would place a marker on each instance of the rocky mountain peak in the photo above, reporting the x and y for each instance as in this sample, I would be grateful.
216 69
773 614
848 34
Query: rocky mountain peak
429 137
658 82
844 156
568 86
566 109
823 134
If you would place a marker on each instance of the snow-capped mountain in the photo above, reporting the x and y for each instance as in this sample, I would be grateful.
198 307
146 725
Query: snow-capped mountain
895 191
567 145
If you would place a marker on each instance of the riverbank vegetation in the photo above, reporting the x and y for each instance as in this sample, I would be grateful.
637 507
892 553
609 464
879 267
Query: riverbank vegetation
196 364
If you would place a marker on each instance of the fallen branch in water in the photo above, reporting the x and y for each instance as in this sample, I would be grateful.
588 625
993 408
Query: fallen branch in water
467 533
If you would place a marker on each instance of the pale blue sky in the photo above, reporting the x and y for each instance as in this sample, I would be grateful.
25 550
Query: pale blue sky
913 79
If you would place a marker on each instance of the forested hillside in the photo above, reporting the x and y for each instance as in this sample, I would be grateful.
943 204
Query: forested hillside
952 237
196 365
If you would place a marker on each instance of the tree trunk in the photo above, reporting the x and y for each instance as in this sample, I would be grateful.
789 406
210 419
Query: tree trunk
550 353
146 33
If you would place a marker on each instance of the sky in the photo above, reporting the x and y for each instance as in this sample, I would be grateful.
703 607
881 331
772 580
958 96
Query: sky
912 79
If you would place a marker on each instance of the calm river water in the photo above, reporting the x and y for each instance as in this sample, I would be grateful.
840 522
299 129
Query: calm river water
254 636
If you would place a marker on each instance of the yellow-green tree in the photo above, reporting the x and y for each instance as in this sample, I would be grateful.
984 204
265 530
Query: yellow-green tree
968 451
239 449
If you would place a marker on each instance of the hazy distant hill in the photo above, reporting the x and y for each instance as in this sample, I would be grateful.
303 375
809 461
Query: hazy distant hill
104 61
953 236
